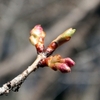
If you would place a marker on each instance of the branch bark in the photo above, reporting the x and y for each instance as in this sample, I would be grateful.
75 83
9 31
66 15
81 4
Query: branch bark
15 83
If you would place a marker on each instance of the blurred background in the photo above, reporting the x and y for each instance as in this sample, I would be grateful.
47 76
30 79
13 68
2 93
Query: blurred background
18 17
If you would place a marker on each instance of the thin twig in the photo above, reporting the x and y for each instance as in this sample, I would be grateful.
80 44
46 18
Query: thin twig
15 83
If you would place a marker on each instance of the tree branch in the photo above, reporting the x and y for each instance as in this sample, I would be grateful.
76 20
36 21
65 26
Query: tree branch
15 83
56 62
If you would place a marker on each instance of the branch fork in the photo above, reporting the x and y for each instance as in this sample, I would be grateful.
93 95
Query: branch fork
43 59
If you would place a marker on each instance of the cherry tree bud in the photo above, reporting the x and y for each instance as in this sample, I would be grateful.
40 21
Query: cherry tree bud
64 37
58 63
37 36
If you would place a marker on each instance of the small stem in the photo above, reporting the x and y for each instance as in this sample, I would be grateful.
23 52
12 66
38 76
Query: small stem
15 83
33 67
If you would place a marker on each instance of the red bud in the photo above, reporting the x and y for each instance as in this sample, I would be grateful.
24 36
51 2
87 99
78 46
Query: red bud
58 63
37 38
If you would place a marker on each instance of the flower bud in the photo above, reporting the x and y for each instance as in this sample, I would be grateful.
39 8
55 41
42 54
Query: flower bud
37 36
58 63
64 37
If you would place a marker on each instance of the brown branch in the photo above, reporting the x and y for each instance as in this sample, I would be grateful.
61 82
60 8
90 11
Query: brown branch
56 62
15 83
57 28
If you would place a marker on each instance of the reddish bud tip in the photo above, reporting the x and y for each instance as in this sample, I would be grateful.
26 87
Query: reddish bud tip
38 27
64 68
37 31
69 62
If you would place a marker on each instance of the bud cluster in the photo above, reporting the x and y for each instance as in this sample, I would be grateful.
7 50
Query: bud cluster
56 62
